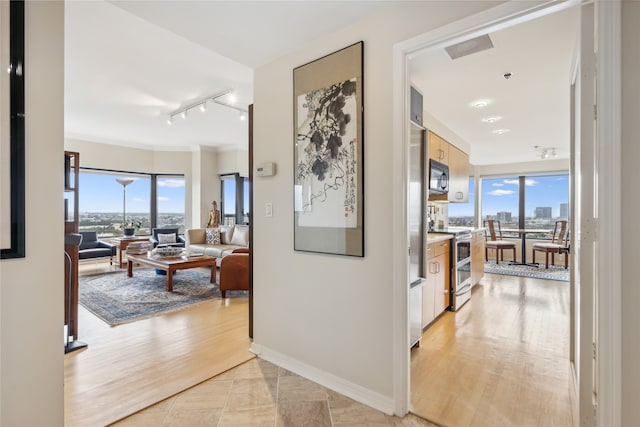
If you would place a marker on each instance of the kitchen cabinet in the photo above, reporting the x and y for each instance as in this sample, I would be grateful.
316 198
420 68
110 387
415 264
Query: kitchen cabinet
438 148
435 290
459 168
458 175
477 255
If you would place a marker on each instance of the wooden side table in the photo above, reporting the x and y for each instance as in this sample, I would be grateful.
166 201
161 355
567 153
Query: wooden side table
123 242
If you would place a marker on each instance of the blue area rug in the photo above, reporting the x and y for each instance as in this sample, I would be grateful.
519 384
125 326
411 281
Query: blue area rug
117 299
553 273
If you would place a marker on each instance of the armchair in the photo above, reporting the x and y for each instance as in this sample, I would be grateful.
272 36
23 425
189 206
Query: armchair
91 247
161 236
234 271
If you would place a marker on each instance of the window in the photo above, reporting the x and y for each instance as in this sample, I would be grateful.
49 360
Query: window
545 200
102 206
170 201
463 214
103 202
500 198
235 199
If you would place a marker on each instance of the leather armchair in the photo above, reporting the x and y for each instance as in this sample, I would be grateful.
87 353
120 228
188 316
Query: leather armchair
170 230
234 271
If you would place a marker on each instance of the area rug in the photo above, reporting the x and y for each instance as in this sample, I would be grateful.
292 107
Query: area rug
117 299
553 273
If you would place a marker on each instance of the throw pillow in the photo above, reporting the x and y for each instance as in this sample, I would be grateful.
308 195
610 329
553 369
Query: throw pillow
240 236
226 232
166 238
213 236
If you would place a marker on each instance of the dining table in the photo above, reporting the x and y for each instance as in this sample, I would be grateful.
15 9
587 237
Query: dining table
523 238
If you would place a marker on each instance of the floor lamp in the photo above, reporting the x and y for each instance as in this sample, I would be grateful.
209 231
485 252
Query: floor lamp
124 182
72 239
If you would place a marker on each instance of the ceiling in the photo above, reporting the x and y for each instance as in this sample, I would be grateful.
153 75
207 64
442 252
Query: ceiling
128 64
533 104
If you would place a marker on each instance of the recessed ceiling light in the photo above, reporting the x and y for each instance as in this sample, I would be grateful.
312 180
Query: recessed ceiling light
480 103
232 98
500 131
491 119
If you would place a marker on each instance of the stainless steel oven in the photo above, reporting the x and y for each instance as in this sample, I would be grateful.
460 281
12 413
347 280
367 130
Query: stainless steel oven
461 284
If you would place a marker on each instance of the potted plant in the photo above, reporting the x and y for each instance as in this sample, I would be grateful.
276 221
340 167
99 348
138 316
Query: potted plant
130 227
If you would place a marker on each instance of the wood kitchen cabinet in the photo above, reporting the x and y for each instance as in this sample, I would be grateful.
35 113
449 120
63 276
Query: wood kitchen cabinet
438 148
459 169
477 256
435 290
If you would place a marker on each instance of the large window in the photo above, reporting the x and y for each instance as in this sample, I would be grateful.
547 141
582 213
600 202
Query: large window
103 201
170 201
463 214
546 200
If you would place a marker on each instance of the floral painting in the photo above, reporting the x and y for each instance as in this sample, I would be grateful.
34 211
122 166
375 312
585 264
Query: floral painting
328 167
326 147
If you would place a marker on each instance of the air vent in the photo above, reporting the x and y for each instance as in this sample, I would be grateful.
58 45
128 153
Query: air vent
468 47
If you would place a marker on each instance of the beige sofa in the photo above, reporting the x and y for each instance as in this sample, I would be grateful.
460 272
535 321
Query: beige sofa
231 237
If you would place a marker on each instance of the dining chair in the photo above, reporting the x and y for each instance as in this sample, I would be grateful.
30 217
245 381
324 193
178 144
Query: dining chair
494 241
559 244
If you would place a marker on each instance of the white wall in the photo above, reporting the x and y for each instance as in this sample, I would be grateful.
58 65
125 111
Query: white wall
232 161
630 212
329 314
32 288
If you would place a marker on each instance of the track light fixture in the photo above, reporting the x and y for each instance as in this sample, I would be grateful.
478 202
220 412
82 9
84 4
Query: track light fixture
546 152
202 105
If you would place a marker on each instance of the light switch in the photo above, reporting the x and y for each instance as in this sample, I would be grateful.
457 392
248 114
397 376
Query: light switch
268 209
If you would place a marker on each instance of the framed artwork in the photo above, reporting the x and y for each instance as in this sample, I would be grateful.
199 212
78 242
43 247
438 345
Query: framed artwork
328 154
12 161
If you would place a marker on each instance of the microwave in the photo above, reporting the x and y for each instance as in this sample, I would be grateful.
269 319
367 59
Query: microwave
438 177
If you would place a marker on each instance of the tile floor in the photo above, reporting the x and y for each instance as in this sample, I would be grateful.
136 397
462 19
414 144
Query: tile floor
258 393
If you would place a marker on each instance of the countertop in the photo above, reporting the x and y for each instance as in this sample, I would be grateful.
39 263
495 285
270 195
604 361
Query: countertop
438 237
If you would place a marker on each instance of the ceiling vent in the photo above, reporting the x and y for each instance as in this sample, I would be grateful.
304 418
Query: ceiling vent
468 47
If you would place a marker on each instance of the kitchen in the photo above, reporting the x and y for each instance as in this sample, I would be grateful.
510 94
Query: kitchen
449 313
454 256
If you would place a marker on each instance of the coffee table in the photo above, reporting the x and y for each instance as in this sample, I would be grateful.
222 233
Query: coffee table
171 264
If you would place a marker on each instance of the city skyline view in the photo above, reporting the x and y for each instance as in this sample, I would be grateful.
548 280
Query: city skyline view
501 195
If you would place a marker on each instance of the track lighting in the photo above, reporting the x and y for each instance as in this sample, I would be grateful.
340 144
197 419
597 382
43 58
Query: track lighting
202 105
546 152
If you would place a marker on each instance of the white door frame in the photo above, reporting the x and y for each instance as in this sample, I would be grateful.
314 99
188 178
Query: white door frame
608 232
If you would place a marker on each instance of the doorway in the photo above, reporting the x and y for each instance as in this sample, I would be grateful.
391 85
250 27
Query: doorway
504 17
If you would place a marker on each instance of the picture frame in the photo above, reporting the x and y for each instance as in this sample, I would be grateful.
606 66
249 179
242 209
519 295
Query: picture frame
12 135
328 101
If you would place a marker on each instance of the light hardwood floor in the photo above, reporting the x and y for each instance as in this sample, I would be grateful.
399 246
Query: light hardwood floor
503 359
129 367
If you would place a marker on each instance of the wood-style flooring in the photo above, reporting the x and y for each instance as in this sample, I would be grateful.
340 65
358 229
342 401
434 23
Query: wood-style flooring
130 367
503 359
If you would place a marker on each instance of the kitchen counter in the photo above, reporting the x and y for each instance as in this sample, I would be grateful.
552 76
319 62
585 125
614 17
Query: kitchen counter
438 237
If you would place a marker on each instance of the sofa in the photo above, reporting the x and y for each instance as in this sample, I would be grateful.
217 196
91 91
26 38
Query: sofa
230 238
91 247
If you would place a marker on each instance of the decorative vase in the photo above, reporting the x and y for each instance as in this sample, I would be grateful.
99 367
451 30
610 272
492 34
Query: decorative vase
129 231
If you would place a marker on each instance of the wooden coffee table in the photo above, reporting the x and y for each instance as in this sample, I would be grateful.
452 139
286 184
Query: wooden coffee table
172 264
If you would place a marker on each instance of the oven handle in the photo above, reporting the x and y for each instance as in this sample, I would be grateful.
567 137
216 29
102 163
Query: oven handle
463 290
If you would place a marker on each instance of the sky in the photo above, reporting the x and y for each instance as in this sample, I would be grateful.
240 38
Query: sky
102 193
501 194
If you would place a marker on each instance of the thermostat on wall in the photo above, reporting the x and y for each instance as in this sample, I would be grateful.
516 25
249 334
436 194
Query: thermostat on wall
265 169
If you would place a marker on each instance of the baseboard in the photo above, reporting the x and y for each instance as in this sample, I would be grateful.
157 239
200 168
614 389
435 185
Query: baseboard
340 385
